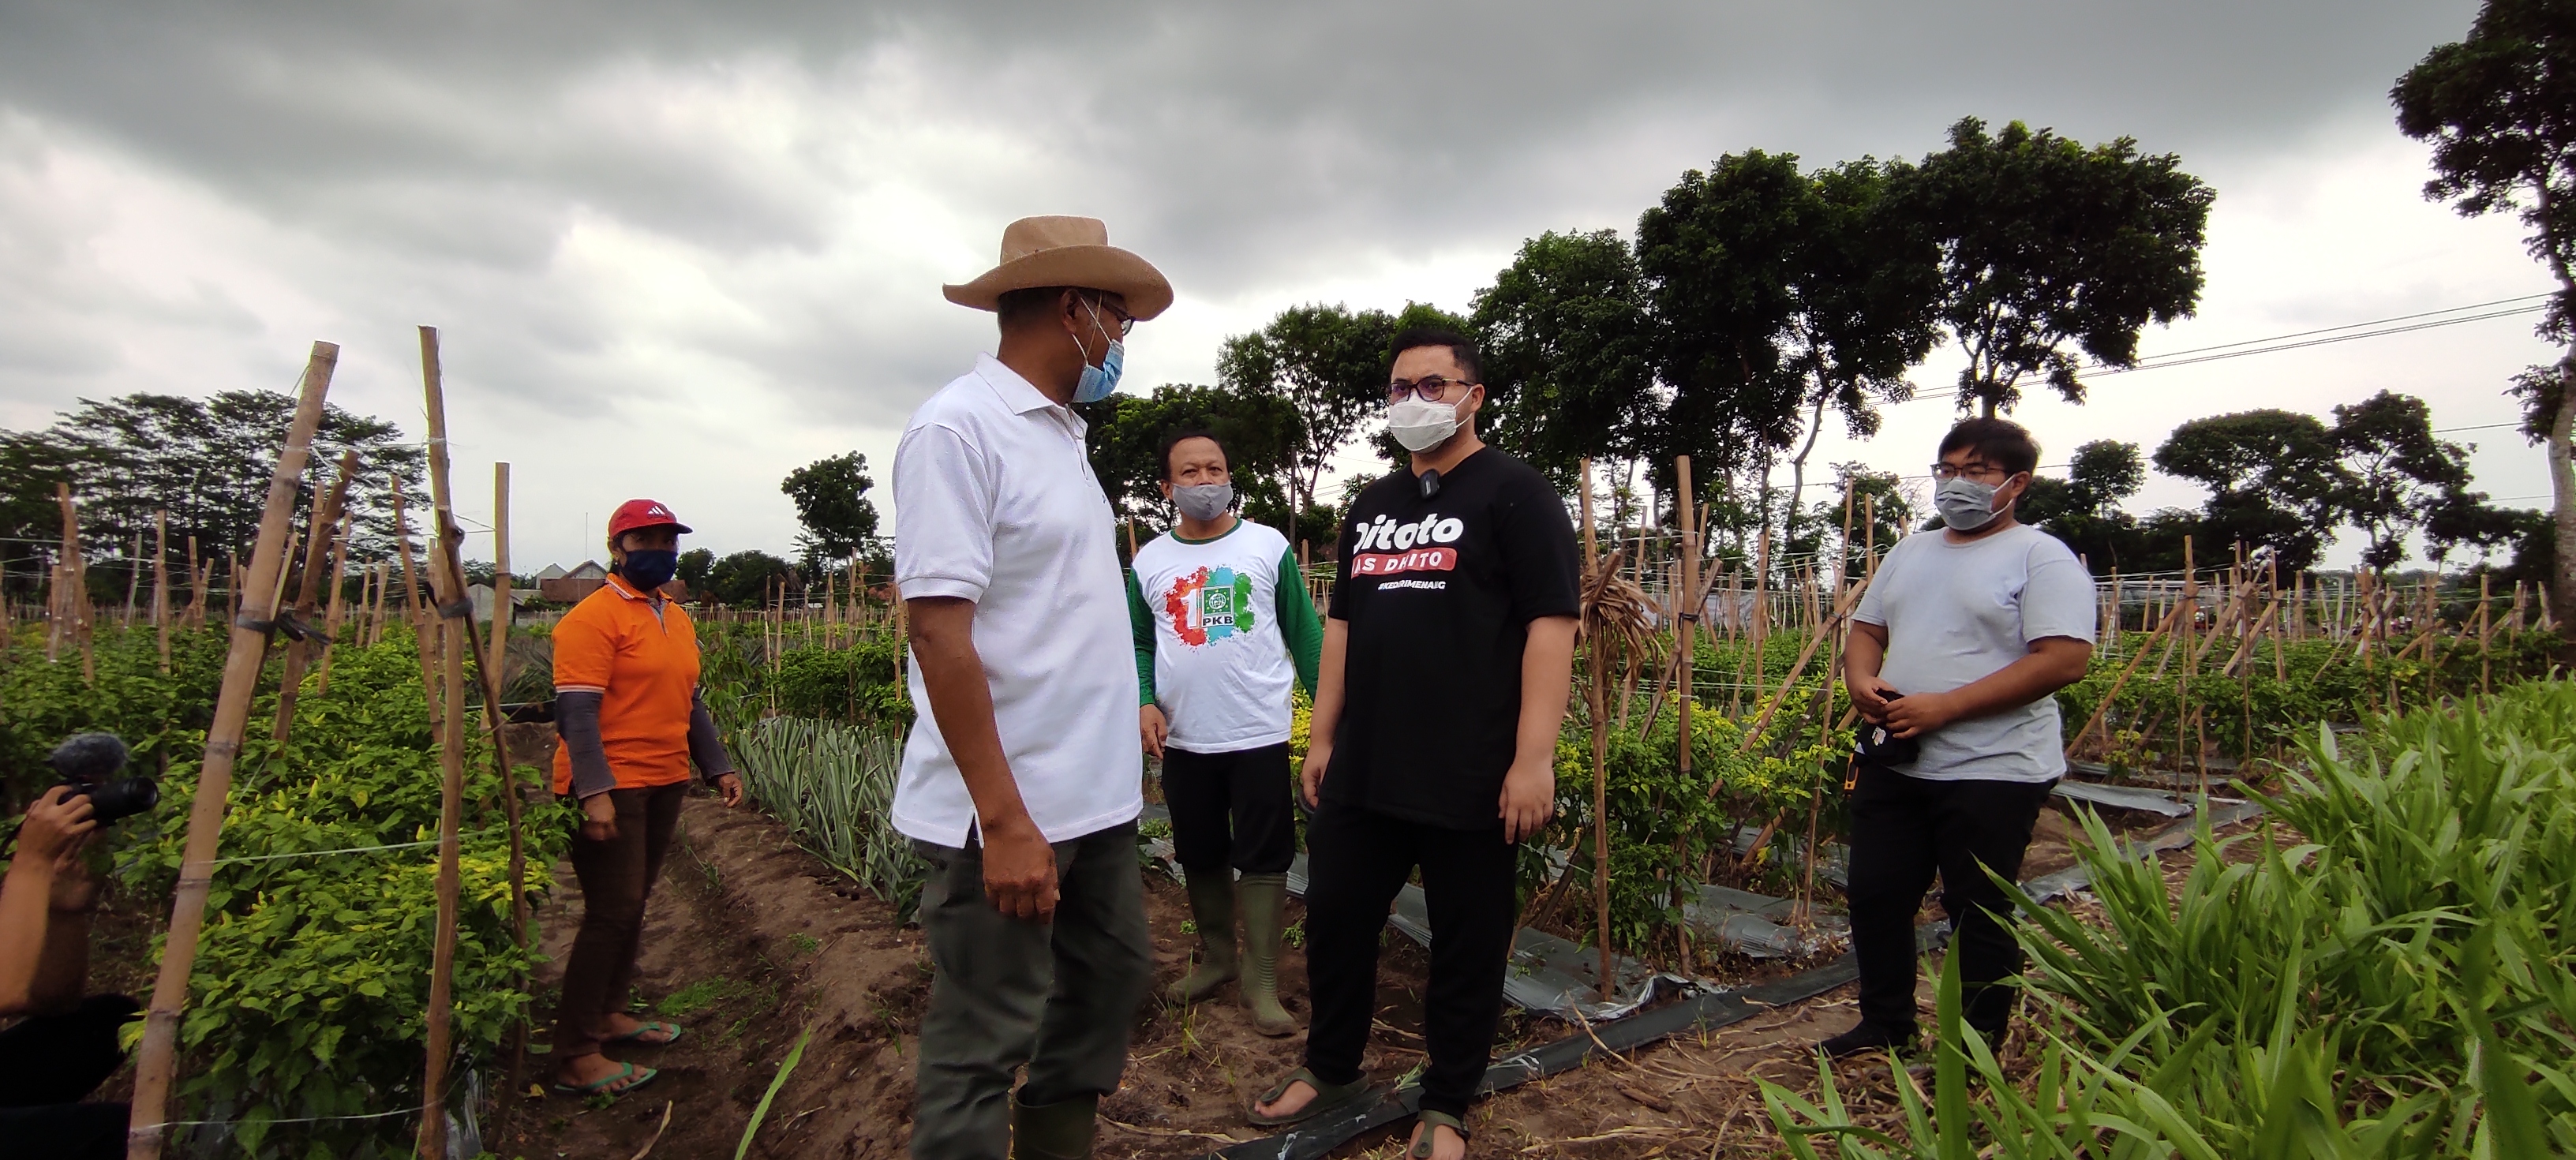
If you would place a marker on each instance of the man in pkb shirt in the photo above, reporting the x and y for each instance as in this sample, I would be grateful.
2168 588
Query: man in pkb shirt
1222 626
1448 652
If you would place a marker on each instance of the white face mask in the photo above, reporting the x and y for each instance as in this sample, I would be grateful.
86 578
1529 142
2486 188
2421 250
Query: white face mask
1421 425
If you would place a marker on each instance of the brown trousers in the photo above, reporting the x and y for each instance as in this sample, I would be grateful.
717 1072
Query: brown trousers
617 877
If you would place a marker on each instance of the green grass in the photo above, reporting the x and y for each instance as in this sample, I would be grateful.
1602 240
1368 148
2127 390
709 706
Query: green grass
2398 979
699 996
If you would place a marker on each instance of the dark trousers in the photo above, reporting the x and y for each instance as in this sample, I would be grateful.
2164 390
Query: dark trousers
1356 862
1230 809
47 1064
617 877
1059 997
1903 829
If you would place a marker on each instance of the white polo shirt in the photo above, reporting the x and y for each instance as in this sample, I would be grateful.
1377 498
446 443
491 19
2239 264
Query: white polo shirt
996 503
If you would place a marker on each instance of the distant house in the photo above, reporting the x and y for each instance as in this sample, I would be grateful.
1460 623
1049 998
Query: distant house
481 595
570 587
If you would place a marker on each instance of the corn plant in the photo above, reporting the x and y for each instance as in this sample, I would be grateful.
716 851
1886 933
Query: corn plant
834 786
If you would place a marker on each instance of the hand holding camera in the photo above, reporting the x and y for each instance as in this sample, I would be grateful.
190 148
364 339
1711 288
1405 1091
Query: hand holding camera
88 764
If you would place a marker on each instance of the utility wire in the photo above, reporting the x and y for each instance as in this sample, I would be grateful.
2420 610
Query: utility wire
2303 339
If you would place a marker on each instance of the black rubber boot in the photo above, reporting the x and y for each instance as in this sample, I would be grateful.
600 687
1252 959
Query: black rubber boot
1059 1131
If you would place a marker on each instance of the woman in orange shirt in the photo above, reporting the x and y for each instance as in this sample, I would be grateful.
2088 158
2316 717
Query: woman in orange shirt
632 723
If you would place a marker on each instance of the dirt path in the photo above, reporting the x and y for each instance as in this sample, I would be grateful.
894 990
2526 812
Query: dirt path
749 940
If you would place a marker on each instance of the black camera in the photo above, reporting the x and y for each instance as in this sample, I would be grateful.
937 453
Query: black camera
1878 746
89 762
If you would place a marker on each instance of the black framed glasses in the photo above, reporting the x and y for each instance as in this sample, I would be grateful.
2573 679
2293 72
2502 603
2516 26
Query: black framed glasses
1126 322
1980 472
1428 388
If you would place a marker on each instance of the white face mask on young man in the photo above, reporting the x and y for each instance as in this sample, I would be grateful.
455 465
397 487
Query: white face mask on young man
1420 424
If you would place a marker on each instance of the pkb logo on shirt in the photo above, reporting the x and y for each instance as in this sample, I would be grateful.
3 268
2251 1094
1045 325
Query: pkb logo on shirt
1417 546
1209 604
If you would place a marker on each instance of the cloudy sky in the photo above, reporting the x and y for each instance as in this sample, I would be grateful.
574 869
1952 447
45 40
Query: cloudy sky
680 249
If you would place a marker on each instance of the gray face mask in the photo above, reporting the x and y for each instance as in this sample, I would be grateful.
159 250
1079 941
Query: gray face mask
1965 504
1203 501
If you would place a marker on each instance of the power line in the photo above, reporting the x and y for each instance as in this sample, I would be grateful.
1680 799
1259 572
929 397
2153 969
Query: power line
2281 342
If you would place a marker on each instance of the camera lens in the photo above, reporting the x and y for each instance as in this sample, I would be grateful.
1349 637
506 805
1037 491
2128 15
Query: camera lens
122 798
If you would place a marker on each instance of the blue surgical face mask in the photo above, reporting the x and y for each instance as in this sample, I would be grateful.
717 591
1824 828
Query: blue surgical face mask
1098 381
648 569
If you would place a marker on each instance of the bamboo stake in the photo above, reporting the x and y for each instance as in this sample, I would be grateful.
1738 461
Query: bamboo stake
1600 748
133 577
453 604
161 583
158 1057
1686 623
196 587
494 664
2135 659
72 586
326 514
412 611
2485 633
1842 610
339 602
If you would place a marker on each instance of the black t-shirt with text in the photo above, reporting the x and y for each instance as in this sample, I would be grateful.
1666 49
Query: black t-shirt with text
1438 594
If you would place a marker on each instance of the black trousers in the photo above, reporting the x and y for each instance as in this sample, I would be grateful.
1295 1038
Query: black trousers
1356 861
617 878
1230 809
47 1064
1903 829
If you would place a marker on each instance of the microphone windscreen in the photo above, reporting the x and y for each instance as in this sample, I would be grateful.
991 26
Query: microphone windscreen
89 757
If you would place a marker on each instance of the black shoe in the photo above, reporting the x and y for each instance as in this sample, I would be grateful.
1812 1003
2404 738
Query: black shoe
1871 1037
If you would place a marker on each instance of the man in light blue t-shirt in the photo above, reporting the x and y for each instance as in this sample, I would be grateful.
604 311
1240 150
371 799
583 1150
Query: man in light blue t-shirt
1956 654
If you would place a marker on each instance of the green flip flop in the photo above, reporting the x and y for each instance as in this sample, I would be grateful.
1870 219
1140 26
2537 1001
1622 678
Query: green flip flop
1329 1097
627 1079
1431 1123
671 1033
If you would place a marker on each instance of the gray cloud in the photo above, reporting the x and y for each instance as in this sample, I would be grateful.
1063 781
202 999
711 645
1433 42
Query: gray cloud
622 207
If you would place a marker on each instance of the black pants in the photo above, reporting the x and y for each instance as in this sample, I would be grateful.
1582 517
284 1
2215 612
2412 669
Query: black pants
1356 861
1230 809
617 878
1902 830
47 1064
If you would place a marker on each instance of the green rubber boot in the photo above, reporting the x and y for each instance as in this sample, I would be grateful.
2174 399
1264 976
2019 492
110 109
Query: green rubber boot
1059 1131
1212 906
1263 897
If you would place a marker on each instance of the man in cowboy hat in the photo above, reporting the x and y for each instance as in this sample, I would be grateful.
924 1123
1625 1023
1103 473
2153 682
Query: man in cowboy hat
1021 783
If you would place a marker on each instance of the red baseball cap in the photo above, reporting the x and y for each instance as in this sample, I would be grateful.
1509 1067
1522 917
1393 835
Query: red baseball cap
643 513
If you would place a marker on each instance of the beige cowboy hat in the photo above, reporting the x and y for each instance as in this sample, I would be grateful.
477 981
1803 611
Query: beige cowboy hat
1066 251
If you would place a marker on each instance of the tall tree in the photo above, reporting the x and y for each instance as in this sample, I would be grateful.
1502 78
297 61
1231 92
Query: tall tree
1718 254
831 497
2104 472
207 463
2047 244
1569 353
2400 479
1329 363
2500 110
1781 296
1260 432
743 579
2274 480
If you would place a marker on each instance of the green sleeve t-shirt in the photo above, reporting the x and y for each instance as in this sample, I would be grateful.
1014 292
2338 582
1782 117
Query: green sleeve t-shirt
1223 627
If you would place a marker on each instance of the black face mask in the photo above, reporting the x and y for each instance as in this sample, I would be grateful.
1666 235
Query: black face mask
649 569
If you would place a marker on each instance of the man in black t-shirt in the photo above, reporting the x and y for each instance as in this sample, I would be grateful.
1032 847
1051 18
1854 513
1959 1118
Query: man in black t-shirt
1448 652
